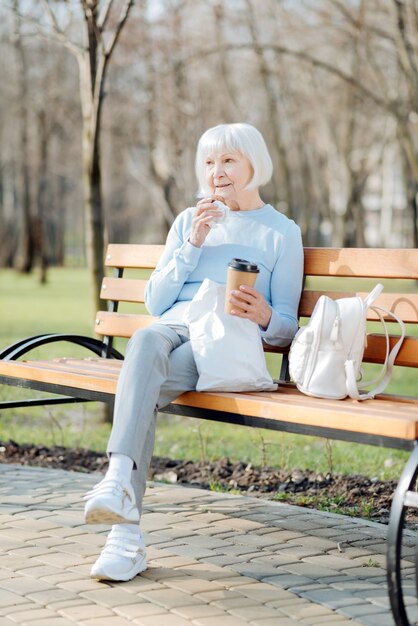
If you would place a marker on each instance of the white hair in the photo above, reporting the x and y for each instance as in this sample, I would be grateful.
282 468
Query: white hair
239 137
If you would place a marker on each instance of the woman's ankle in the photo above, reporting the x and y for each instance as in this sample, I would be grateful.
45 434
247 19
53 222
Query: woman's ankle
120 464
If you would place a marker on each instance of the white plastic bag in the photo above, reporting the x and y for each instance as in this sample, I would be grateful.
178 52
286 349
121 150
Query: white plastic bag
228 350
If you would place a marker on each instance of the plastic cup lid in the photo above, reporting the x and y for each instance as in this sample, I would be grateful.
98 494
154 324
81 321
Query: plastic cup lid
243 266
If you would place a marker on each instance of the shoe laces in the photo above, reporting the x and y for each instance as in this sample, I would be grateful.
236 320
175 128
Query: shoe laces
112 486
124 544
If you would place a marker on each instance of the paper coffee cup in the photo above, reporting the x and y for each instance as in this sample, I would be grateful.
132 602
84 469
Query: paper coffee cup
240 272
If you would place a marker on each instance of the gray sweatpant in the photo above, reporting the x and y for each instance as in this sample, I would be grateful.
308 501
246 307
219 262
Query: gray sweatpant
158 367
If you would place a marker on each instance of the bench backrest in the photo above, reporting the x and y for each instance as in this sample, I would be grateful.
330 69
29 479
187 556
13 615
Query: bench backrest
324 267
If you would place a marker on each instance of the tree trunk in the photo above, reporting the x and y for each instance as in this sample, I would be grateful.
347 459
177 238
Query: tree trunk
228 113
272 104
8 208
59 226
415 216
164 184
91 85
93 63
406 142
94 221
411 186
23 178
39 233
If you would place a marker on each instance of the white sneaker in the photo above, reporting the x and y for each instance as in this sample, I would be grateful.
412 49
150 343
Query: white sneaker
111 501
122 558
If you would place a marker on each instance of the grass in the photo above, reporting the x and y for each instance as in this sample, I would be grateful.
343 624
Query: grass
62 305
371 563
329 504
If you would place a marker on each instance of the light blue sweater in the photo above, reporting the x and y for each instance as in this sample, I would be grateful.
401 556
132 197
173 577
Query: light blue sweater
263 236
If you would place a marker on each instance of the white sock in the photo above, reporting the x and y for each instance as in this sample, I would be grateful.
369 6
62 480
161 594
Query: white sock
120 464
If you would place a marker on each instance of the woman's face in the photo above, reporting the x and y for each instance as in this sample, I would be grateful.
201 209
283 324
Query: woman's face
227 174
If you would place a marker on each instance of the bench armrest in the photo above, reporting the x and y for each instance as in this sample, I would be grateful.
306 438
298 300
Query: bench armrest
23 346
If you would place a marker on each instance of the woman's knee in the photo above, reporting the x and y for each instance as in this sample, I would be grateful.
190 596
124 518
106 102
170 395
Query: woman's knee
149 340
183 370
139 337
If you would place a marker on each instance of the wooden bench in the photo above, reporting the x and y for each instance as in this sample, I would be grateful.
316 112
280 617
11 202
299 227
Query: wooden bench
389 421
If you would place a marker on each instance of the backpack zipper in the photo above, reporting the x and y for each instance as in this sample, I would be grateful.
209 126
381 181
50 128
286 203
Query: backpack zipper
335 329
326 303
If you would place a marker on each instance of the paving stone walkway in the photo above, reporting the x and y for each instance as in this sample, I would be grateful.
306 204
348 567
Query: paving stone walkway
214 560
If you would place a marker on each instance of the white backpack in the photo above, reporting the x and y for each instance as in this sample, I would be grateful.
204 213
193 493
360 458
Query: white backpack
325 356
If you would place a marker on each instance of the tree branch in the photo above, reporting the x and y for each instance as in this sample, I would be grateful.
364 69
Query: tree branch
390 106
119 26
406 54
340 6
59 34
372 28
92 24
96 103
104 15
51 16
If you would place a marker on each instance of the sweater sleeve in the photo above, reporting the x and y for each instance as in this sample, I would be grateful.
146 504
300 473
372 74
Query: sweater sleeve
176 264
285 289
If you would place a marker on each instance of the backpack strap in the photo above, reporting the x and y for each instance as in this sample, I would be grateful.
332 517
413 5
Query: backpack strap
373 295
386 372
367 383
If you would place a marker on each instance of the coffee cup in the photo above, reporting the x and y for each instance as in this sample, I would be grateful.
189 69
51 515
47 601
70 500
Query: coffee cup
240 272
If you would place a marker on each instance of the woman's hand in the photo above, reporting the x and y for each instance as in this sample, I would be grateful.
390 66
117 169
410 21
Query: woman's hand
250 304
205 212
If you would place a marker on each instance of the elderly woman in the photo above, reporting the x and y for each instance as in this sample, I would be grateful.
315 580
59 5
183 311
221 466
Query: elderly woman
232 162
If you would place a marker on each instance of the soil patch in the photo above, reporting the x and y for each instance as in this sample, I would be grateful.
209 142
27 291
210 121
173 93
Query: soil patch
351 495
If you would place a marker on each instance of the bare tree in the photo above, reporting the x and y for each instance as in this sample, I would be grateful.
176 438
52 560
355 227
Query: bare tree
101 34
271 89
28 239
332 85
391 33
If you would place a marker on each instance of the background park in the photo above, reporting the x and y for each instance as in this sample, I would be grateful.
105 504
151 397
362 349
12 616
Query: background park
101 107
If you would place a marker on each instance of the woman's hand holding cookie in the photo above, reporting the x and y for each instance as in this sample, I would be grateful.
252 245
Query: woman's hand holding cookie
205 212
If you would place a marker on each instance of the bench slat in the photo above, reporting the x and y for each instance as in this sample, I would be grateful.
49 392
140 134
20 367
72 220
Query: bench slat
125 324
72 366
386 416
54 376
135 256
375 350
121 324
362 262
347 415
389 404
102 365
404 305
359 262
123 289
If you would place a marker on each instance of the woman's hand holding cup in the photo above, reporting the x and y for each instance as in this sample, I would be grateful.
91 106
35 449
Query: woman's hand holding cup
250 304
241 298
